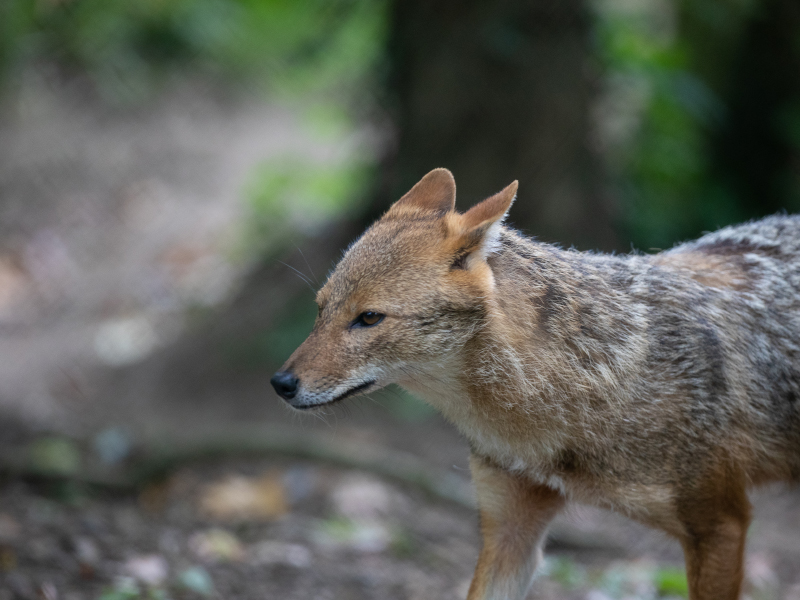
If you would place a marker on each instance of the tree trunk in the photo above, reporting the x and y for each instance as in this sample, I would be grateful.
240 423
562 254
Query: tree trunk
497 91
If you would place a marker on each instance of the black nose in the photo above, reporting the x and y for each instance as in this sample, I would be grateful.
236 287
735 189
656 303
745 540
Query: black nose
285 384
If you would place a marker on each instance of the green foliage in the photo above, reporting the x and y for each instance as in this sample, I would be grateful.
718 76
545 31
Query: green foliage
290 197
126 48
339 529
126 588
662 166
565 572
55 455
640 579
120 594
669 71
671 581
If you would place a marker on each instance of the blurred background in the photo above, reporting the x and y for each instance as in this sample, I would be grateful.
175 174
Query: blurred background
177 178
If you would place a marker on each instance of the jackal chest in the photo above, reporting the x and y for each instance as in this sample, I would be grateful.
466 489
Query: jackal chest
540 450
560 469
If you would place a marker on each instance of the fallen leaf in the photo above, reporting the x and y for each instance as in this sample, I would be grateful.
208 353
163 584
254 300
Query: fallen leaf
124 341
150 569
216 545
244 498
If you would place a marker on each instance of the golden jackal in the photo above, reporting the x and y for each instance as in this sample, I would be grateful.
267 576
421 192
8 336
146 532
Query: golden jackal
660 386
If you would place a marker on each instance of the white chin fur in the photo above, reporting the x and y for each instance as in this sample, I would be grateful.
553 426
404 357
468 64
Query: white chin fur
308 399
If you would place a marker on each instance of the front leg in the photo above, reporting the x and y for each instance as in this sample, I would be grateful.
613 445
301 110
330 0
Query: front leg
514 516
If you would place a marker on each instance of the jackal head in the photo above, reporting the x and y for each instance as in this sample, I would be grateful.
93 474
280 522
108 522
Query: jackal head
411 292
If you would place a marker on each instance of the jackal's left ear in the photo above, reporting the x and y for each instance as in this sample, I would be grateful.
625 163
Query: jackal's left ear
480 225
436 192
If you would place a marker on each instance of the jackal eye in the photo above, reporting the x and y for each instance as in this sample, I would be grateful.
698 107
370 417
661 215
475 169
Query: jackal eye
368 319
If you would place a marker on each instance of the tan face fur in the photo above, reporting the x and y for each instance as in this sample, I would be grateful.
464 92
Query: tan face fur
422 268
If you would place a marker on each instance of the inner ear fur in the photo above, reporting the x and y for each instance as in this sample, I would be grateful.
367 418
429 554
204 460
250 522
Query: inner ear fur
479 227
436 192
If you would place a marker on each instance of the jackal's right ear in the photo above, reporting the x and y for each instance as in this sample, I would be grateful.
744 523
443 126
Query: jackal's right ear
435 192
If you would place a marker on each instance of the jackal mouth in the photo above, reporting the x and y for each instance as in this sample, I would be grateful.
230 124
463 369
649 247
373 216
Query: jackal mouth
351 392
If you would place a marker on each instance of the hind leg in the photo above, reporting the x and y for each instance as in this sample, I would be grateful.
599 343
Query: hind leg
713 544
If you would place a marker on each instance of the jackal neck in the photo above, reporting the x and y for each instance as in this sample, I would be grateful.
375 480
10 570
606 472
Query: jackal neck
561 333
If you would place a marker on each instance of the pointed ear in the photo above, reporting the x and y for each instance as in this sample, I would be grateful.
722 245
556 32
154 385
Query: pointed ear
481 226
434 192
492 209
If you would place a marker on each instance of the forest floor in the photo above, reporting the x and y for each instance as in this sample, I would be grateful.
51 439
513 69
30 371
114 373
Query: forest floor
253 528
115 228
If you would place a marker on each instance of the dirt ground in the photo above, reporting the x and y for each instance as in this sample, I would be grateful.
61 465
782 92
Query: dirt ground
115 226
271 528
